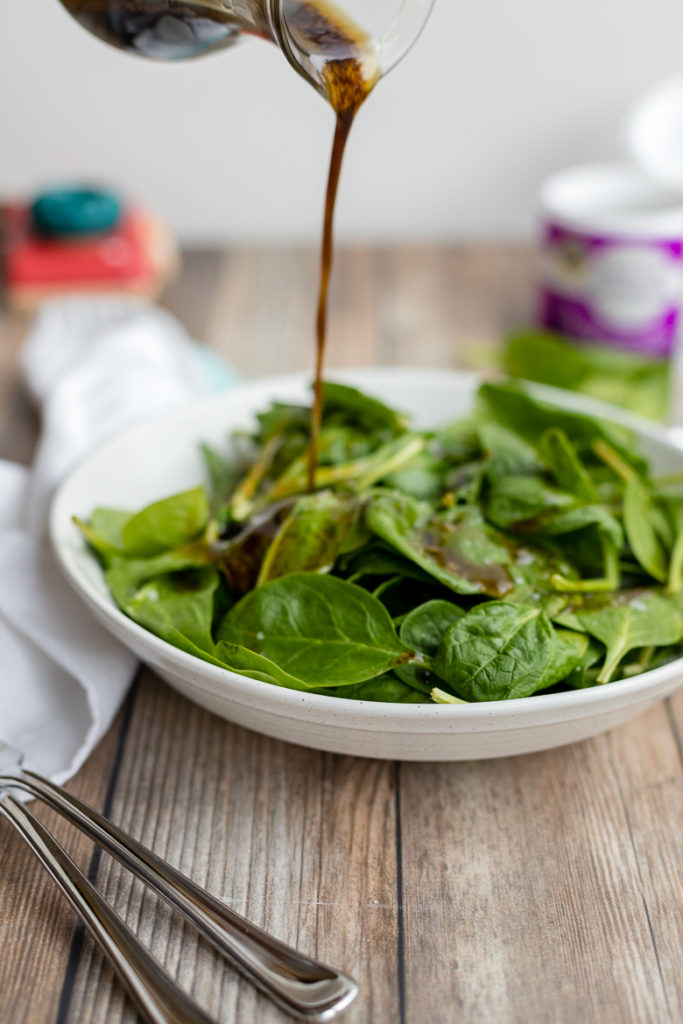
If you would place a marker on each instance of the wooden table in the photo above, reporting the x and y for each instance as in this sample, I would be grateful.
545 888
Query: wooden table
539 890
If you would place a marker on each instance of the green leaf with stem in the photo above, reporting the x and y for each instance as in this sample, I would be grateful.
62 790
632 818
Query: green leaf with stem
631 619
318 629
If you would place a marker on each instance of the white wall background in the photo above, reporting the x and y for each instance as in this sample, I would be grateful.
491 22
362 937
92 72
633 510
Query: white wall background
453 144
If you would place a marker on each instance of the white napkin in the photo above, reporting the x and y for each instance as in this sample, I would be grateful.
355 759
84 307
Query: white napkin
94 366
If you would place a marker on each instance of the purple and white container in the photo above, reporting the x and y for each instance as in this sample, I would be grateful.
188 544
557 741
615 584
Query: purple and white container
612 237
612 258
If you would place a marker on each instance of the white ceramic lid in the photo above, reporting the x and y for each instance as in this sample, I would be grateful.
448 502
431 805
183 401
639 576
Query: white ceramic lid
653 133
615 199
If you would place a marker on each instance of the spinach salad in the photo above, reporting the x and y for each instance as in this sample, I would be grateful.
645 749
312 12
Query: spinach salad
524 549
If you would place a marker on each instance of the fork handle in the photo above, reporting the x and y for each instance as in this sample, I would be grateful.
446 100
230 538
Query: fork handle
299 985
157 996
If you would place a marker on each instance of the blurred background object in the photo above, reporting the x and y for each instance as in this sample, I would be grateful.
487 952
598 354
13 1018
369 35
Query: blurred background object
234 147
636 382
611 267
80 240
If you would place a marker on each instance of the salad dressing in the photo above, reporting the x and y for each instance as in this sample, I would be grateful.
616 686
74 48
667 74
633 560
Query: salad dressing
492 579
350 70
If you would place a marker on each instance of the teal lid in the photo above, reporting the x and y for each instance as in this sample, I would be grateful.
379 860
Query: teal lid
69 212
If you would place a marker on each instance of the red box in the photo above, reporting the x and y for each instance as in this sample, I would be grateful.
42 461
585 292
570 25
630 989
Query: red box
137 256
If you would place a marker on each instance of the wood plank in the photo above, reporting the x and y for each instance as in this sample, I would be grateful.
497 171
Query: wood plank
452 306
522 893
18 417
36 923
300 842
263 315
261 318
190 293
646 760
424 305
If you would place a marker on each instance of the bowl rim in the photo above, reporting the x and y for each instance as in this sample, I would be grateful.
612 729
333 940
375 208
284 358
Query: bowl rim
586 701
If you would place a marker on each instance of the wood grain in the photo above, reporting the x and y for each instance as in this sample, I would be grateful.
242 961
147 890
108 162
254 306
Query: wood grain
36 924
420 305
538 890
302 843
534 884
18 419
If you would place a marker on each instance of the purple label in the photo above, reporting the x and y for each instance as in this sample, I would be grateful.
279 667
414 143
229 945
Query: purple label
576 320
622 292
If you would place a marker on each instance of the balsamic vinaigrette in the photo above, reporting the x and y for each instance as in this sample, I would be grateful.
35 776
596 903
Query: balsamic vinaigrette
349 70
343 54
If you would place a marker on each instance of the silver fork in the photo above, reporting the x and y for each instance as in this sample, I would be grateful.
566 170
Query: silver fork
299 985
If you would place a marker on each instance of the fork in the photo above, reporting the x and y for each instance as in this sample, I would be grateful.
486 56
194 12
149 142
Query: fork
297 984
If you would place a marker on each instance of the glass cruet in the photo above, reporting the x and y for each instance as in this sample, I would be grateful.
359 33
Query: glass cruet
383 30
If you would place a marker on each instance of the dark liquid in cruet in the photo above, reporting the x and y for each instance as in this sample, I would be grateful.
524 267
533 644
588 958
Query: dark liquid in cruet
160 29
343 53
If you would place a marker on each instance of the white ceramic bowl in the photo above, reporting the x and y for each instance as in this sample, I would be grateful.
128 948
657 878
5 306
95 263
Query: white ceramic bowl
161 457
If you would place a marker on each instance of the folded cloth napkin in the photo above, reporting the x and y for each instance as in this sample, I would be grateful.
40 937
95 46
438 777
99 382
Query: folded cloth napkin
95 366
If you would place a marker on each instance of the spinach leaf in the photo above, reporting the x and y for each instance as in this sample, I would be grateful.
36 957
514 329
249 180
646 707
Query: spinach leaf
282 418
109 523
640 530
318 529
524 503
366 411
528 507
465 482
124 576
462 554
506 452
674 509
565 465
236 659
456 442
318 629
515 409
103 532
374 559
250 663
241 557
400 595
423 477
385 688
579 518
177 602
342 442
639 513
423 630
500 651
630 619
166 524
585 675
223 475
639 383
535 572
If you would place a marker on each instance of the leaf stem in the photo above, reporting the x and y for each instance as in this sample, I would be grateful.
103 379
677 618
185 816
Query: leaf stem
441 697
243 497
610 581
676 567
607 454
